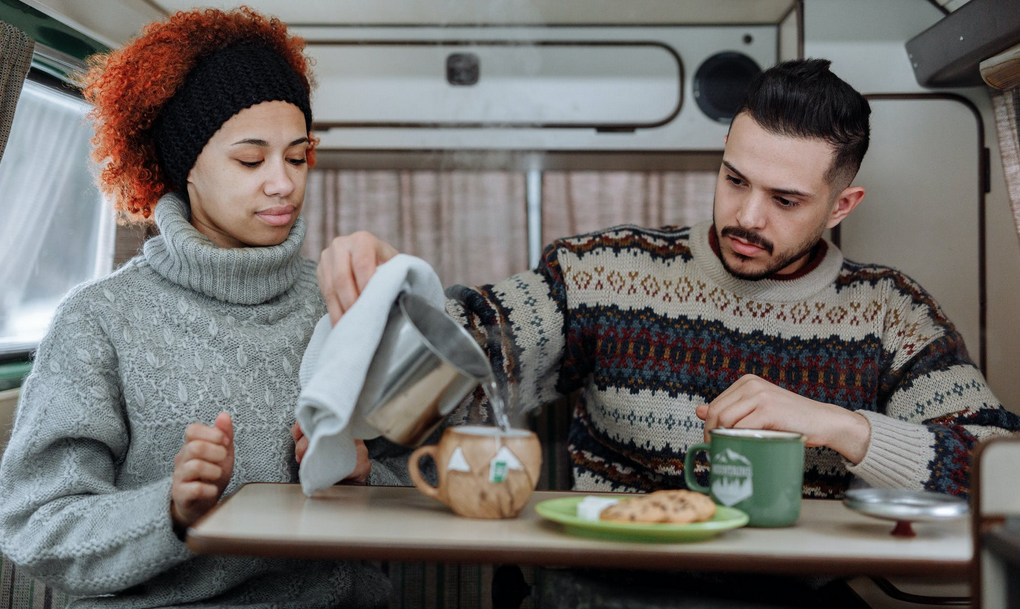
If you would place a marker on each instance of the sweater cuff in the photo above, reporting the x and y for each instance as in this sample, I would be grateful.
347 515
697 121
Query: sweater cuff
175 545
897 455
382 475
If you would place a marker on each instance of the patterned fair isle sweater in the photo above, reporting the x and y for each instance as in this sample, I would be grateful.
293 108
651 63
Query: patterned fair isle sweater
174 336
648 325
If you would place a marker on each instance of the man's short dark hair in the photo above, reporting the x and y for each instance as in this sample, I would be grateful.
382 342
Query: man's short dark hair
802 98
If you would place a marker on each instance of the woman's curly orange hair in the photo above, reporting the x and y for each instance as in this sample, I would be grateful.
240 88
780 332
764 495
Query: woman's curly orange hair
129 87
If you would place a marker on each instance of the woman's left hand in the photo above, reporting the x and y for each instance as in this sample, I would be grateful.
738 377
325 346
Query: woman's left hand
362 468
300 442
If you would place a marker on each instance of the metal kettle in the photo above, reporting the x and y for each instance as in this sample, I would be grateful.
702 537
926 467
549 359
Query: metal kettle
425 365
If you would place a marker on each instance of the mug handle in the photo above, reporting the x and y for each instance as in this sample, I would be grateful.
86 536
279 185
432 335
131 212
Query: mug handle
412 468
692 482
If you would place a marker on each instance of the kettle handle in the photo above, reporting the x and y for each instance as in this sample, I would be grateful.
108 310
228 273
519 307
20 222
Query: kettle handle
689 477
412 468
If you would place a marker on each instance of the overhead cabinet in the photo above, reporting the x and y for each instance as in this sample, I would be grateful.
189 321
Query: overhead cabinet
498 84
532 88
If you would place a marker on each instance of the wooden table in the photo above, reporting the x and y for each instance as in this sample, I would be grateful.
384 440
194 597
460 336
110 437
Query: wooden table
398 523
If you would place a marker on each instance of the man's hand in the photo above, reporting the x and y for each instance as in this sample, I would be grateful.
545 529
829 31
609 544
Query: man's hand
754 403
361 469
345 268
202 470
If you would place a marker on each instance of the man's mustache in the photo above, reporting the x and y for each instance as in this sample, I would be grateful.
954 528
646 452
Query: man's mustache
746 235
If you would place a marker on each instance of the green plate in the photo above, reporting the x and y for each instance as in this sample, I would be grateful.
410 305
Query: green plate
564 511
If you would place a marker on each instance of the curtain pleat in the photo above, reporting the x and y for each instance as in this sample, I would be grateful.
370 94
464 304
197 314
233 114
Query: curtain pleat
1007 118
470 226
15 59
579 202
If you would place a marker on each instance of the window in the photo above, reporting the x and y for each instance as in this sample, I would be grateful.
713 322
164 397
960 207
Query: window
55 230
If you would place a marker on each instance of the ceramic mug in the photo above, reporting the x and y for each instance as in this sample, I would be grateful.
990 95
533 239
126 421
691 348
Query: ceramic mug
484 472
757 471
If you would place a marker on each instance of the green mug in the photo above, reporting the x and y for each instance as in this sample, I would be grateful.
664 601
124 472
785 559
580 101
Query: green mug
757 471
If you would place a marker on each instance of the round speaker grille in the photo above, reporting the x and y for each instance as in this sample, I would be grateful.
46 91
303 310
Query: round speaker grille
721 82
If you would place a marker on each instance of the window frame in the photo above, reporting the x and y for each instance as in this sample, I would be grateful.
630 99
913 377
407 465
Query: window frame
106 239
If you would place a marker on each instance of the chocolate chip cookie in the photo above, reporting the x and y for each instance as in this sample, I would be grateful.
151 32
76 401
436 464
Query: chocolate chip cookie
673 507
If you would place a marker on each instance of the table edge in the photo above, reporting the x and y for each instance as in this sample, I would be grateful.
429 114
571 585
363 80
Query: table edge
202 543
624 559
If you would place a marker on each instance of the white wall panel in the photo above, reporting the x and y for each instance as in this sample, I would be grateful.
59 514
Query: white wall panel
920 213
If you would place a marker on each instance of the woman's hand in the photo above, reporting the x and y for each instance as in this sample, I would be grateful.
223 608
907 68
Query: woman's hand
300 442
362 468
345 268
202 470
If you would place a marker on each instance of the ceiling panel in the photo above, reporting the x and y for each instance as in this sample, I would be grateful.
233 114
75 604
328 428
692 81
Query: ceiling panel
509 12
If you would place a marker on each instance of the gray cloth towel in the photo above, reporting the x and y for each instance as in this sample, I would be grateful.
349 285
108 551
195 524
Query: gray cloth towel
336 362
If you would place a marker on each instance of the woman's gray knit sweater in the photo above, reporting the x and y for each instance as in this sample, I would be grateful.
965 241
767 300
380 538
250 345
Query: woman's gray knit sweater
175 336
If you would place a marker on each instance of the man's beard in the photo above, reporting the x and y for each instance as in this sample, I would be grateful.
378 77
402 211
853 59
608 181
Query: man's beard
753 238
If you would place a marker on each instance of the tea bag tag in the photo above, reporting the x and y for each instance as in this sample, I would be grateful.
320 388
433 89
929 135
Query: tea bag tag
497 471
501 464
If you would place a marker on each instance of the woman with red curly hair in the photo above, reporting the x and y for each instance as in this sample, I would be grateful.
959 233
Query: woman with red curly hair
174 379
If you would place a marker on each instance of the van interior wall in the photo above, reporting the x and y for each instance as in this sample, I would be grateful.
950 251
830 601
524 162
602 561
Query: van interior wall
865 41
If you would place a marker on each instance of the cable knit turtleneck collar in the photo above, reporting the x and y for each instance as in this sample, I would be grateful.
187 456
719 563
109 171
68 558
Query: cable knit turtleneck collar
245 275
785 290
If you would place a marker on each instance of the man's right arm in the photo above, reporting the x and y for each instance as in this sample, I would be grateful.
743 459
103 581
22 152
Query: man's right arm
522 323
345 268
934 405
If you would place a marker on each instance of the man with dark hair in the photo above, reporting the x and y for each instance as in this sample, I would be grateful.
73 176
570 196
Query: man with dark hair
804 99
802 102
751 321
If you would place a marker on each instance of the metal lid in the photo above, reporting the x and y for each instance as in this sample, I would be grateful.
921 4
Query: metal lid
897 504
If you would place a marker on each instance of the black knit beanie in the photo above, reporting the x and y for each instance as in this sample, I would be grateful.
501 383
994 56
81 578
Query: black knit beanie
220 85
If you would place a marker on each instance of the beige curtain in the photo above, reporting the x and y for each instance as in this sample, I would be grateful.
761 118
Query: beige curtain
15 60
471 226
582 201
1007 118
